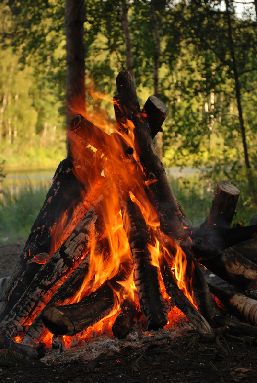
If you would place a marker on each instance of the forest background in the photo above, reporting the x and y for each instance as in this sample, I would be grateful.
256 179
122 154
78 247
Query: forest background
198 56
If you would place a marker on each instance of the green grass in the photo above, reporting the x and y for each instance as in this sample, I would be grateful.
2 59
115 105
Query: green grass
18 212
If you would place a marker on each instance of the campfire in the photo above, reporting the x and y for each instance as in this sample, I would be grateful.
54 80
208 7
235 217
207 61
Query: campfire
112 249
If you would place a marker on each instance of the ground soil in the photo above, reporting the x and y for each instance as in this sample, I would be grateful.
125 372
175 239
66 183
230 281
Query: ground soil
182 359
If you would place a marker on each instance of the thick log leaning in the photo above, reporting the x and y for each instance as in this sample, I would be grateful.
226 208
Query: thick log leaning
223 205
245 307
146 274
50 277
171 218
182 302
72 319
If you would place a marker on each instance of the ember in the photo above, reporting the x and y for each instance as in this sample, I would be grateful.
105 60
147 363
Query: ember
111 248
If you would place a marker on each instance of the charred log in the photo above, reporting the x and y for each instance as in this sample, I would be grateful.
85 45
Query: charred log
146 275
71 319
124 321
245 307
183 303
49 278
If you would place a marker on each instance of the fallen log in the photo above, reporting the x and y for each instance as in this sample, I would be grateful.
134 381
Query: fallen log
230 265
146 275
183 303
245 307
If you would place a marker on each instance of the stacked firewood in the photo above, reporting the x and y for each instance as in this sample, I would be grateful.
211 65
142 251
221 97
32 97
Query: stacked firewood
220 259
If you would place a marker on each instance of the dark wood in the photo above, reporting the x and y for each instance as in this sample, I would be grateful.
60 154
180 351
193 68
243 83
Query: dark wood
124 322
156 112
230 265
245 307
223 205
71 319
248 249
182 302
146 275
15 351
49 278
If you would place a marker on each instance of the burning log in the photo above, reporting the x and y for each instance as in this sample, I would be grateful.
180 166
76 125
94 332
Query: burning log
229 296
146 274
125 320
63 195
71 319
49 278
223 205
172 219
183 303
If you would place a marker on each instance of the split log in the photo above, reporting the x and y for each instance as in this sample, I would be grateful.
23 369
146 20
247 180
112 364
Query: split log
223 205
50 277
125 320
183 303
229 296
146 274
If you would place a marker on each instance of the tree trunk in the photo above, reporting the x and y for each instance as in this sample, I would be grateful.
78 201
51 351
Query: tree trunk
155 18
229 6
125 27
74 19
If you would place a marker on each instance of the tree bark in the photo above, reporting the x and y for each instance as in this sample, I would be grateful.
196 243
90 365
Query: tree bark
156 25
126 32
74 19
